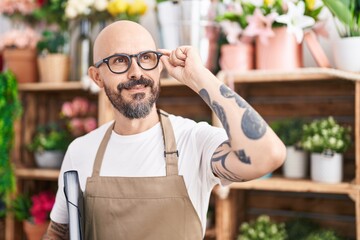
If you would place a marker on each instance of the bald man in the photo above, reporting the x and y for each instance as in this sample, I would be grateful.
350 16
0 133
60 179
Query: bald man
149 174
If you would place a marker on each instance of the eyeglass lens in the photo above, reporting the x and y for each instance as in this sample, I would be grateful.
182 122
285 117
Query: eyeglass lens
121 63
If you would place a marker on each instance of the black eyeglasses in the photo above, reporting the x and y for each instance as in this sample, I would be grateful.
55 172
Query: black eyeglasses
120 63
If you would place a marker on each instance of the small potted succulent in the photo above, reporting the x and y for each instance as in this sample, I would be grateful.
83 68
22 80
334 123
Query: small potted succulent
262 228
326 140
34 212
290 133
49 145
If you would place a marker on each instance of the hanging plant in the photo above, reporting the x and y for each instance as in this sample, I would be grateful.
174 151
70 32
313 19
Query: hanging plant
10 110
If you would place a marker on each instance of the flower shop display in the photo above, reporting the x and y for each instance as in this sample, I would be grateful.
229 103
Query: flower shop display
277 27
80 116
346 47
290 133
34 212
49 145
327 141
10 110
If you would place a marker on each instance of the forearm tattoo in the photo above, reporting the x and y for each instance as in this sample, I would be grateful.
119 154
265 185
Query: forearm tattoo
253 126
57 231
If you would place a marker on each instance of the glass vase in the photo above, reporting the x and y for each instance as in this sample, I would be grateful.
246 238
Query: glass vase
83 49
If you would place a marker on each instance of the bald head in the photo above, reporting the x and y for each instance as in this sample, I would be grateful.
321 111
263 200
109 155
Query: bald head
122 37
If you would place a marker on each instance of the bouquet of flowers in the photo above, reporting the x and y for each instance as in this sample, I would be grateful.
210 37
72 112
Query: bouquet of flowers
244 19
80 115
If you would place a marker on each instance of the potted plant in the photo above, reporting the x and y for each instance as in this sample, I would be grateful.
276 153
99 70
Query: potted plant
327 141
262 228
10 110
290 133
52 61
34 213
347 21
49 145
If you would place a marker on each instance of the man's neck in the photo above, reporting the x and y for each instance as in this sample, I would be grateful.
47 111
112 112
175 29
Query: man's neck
126 126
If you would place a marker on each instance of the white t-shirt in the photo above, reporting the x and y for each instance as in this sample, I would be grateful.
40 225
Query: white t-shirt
142 155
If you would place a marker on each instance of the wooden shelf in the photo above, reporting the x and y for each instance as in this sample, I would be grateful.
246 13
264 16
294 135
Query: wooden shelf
295 185
300 74
37 173
50 86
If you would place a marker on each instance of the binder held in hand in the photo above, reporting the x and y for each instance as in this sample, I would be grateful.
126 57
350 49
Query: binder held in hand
75 203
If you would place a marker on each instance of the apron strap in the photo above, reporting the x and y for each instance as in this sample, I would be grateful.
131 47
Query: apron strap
171 153
101 151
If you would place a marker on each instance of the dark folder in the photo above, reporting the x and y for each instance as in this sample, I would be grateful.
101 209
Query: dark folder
75 203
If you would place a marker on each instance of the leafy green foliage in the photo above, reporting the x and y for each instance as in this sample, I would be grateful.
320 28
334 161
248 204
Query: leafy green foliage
21 207
52 12
300 228
348 13
262 228
323 235
52 42
50 137
325 135
288 130
10 110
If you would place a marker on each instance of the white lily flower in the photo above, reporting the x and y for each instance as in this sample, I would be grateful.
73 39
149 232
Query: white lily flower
100 5
70 12
295 20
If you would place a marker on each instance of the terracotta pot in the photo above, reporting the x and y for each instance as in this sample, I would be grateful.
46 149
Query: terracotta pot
237 57
34 231
54 67
281 52
23 64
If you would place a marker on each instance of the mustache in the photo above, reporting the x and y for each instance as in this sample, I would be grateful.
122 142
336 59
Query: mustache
133 82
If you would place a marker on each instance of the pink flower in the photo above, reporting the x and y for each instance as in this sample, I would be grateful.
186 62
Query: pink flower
260 25
90 124
76 127
21 6
66 109
26 38
80 106
41 206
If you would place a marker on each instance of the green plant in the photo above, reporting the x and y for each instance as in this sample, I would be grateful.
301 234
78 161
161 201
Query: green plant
323 235
10 110
348 13
21 207
324 135
262 228
288 130
300 228
50 137
52 42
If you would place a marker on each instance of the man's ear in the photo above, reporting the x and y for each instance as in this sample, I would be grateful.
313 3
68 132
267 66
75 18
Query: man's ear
93 72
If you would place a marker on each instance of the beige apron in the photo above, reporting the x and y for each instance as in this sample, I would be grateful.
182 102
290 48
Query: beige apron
139 208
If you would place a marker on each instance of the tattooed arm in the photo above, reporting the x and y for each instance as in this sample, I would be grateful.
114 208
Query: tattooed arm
252 149
57 231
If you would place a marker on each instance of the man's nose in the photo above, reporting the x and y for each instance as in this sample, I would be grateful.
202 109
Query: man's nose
135 71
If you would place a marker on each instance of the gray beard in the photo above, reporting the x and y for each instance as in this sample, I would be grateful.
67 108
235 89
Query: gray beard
138 107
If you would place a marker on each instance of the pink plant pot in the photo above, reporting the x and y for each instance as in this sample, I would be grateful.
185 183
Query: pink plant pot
281 52
237 57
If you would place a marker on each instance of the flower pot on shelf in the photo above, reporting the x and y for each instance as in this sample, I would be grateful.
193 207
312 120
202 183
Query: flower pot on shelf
35 231
49 159
238 56
53 67
296 163
346 52
326 168
22 62
281 52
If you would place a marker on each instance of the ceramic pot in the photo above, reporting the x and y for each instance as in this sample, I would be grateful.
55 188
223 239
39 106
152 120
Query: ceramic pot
22 62
49 159
238 57
326 168
281 52
346 53
53 67
296 163
34 231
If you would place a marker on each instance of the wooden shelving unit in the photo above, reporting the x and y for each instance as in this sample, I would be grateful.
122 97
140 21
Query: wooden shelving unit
308 93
